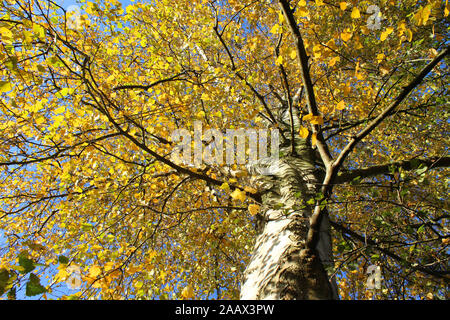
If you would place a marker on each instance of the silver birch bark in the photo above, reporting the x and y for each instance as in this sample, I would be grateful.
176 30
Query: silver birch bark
280 267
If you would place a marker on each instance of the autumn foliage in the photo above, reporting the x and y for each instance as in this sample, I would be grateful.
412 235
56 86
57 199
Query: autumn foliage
88 104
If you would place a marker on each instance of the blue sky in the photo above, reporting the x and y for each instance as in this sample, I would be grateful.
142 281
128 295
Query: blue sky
66 3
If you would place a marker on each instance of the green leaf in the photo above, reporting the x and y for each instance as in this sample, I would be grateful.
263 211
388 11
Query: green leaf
421 229
11 294
11 63
86 226
4 277
34 286
63 260
356 180
421 170
41 68
25 262
5 86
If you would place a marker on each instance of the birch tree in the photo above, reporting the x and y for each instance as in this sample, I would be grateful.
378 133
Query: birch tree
93 199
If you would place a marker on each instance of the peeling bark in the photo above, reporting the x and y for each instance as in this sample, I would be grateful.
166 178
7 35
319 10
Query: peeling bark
281 267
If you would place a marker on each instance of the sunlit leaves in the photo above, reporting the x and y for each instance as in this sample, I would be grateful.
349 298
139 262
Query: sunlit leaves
303 132
346 35
188 292
340 105
253 209
313 119
422 15
355 13
5 86
386 33
238 194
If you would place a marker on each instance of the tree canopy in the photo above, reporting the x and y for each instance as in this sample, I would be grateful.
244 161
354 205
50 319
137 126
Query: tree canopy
88 188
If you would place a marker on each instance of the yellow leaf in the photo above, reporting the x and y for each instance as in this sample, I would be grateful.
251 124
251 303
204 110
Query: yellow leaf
355 13
303 132
6 33
347 89
380 57
410 35
109 265
5 86
188 292
313 119
275 29
205 96
302 3
386 33
250 190
303 12
423 15
340 105
201 114
333 61
61 109
62 274
314 139
138 284
94 271
293 54
401 28
238 195
279 60
343 5
253 209
346 35
319 3
317 120
224 186
317 51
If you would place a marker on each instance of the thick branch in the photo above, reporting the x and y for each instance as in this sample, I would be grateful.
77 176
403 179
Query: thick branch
146 87
433 162
306 78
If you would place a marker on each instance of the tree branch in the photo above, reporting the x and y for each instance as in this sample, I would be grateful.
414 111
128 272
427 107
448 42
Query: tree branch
375 244
386 112
333 169
306 78
434 162
146 87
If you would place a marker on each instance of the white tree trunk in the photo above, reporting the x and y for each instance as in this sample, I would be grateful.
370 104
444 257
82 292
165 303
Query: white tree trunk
280 266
